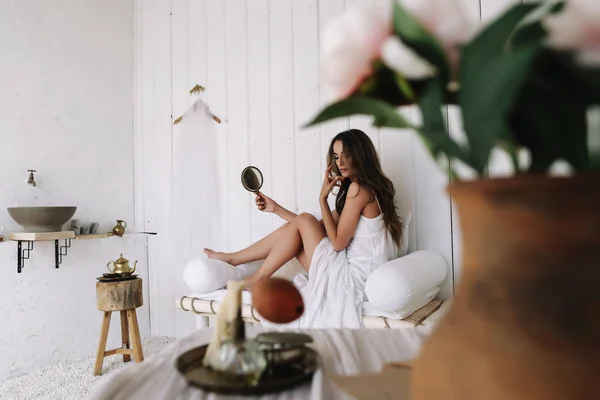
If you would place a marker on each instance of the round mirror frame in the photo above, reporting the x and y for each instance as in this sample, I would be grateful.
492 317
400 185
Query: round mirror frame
260 177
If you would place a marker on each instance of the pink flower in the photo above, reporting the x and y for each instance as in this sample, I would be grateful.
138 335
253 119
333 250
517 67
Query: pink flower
351 42
577 28
402 59
451 22
363 34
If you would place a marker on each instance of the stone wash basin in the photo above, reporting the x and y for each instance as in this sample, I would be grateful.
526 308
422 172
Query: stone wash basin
42 219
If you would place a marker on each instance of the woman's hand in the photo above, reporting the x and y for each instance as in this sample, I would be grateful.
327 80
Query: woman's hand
265 203
329 182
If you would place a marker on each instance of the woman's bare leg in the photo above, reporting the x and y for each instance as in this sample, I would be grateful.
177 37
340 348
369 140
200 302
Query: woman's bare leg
305 232
256 251
303 259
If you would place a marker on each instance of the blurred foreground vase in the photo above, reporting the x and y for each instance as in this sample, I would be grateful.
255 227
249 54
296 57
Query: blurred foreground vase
525 321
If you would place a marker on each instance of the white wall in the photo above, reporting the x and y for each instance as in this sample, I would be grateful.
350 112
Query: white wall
66 73
259 61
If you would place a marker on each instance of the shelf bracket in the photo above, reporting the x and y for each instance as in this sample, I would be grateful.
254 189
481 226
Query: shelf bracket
23 254
61 251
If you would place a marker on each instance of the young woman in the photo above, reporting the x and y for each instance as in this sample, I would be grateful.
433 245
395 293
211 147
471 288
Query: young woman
340 251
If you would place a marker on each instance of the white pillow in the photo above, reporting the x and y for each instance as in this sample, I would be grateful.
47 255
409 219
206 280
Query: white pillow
403 285
204 275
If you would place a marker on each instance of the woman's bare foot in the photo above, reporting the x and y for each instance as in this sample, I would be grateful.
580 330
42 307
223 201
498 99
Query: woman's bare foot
215 255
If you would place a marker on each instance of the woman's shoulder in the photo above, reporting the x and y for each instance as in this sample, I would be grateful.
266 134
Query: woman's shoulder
359 193
355 189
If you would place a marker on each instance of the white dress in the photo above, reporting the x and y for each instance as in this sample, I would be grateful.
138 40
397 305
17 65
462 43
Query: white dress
334 292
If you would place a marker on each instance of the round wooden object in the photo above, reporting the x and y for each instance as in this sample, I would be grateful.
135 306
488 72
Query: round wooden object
117 296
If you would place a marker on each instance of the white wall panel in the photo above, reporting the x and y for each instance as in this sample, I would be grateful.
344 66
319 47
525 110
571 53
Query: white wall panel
309 175
397 159
259 111
359 121
281 60
180 63
491 9
259 61
196 45
216 94
327 11
67 111
157 157
236 69
433 215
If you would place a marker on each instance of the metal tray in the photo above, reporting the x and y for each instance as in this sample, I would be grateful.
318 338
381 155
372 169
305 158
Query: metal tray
116 277
276 378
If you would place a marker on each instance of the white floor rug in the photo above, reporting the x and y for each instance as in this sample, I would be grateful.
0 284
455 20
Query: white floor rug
73 379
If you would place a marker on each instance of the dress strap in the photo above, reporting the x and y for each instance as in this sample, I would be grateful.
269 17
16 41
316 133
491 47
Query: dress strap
378 205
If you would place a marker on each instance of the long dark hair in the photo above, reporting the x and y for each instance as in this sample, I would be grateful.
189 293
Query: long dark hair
360 151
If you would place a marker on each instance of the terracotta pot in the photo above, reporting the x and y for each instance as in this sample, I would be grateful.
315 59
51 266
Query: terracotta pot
525 321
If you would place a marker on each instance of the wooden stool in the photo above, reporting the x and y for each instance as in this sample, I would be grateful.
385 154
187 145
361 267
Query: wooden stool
123 296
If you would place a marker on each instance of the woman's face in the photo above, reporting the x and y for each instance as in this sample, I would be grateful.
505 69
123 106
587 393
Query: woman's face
343 163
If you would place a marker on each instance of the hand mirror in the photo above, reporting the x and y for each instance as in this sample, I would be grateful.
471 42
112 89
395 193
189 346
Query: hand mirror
252 179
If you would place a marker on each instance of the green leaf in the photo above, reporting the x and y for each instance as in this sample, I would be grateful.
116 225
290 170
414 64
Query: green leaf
486 97
528 34
593 137
384 113
507 142
434 128
531 31
549 116
595 162
592 77
404 87
541 161
490 42
574 135
384 85
490 79
420 40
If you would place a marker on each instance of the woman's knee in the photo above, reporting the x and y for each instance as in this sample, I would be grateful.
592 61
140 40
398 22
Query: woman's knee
306 218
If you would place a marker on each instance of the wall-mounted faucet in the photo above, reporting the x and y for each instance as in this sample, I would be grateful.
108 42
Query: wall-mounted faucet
31 180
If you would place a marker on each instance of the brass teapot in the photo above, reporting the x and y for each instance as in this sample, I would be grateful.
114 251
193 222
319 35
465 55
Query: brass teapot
121 266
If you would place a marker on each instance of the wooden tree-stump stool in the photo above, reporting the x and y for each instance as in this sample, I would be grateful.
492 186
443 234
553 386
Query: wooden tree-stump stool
123 296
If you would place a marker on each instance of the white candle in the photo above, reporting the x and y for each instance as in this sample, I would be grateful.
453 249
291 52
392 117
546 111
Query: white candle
226 315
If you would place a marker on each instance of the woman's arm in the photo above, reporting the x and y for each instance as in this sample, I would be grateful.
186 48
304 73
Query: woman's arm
267 204
284 213
341 233
336 218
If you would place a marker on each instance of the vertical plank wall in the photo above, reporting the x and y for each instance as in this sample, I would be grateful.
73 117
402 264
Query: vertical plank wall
259 61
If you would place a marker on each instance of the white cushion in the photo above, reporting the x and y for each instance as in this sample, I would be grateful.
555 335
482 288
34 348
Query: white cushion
403 285
204 275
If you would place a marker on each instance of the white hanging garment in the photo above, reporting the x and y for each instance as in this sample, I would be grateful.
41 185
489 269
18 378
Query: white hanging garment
195 215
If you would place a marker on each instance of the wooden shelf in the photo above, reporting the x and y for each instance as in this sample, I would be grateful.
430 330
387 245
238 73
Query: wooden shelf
107 235
40 236
28 238
94 236
50 236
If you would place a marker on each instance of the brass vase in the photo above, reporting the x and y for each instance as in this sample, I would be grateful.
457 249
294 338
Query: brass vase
119 228
525 321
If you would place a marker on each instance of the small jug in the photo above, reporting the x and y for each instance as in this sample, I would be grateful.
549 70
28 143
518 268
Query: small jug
121 266
119 228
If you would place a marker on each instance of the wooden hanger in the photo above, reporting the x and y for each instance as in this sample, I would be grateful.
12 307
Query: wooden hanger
195 90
